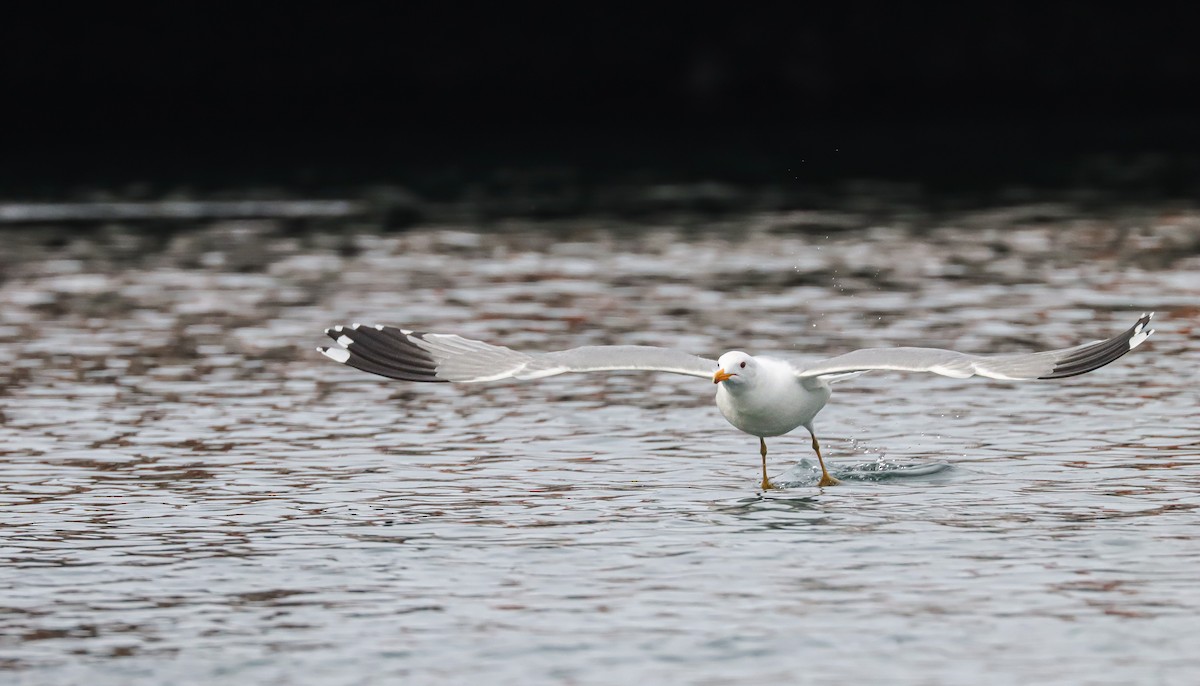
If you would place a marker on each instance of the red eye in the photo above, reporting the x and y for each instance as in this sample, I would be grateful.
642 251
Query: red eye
743 365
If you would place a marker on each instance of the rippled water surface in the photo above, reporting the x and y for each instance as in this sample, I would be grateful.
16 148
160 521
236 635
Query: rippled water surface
191 494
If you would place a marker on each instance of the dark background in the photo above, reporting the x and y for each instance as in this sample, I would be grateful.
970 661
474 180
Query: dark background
318 99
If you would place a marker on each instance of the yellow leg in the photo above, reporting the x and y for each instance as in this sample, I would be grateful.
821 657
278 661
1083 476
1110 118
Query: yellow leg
762 448
826 480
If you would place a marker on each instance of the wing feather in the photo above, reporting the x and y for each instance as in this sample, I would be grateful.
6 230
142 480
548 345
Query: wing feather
417 356
1050 364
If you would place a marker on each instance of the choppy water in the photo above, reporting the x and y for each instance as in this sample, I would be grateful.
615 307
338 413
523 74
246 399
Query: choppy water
191 494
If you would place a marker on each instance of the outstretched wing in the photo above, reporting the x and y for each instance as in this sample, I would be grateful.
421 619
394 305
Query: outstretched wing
416 356
1051 364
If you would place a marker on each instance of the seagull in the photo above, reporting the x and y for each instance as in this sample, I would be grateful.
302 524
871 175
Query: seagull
761 396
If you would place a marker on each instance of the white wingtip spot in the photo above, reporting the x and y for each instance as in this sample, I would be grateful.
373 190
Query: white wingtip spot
405 331
336 354
355 326
379 327
344 341
1137 339
337 328
1138 336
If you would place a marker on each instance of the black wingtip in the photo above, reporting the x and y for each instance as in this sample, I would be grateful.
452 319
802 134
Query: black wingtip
1097 355
381 350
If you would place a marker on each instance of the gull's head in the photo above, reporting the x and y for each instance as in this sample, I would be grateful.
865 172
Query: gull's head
735 368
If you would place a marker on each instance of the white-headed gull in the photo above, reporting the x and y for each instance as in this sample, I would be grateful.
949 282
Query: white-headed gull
762 396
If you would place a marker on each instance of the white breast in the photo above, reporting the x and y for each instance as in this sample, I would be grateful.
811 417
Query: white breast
773 404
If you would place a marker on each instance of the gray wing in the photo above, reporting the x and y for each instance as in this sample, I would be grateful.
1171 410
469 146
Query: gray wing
417 356
1051 364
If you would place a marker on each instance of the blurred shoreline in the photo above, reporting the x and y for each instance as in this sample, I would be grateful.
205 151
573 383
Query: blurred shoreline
710 172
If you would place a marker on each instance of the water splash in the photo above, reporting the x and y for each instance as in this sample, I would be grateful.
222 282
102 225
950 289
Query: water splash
807 472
